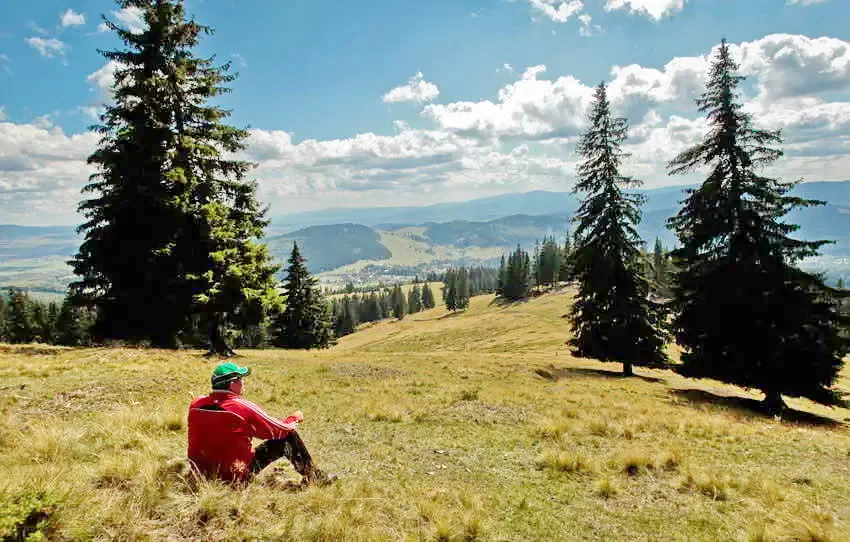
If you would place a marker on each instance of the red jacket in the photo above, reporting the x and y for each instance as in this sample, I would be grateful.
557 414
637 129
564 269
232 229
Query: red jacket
221 426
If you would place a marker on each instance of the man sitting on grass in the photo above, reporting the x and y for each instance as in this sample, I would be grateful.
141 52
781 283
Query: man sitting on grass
222 424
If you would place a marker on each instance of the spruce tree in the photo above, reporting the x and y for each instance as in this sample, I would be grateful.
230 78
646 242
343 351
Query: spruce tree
414 303
517 275
611 318
73 324
305 322
503 277
399 302
839 284
428 301
463 289
450 290
744 313
659 270
19 318
566 269
161 171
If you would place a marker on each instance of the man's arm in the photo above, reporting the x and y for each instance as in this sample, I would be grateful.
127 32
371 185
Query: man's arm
264 426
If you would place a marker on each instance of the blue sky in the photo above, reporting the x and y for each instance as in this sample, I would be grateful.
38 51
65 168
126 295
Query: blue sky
383 102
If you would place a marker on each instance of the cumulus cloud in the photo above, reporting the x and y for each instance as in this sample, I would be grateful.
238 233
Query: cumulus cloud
521 140
42 170
48 48
130 18
72 18
530 108
559 11
417 90
654 9
3 115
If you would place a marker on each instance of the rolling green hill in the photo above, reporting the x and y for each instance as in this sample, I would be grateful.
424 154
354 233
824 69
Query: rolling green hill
478 425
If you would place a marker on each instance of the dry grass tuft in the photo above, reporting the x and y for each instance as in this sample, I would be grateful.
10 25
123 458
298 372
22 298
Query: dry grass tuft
561 461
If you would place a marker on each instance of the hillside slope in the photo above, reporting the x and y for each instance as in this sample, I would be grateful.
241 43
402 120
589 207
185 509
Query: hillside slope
476 425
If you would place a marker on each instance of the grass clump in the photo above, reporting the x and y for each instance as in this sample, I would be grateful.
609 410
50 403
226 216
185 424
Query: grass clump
561 461
606 488
711 484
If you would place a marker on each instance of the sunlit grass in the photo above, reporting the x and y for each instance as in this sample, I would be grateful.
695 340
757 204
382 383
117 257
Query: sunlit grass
478 425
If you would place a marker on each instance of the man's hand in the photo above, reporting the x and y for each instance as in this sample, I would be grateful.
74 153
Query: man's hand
295 417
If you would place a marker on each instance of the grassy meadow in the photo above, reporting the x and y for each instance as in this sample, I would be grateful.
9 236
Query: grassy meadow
468 426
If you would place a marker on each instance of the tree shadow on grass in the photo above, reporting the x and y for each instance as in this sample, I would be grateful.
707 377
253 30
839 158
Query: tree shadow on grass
753 407
31 350
450 315
504 303
553 373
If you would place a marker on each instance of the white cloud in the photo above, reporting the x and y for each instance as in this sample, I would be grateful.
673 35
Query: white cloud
103 79
130 18
531 107
3 115
559 11
505 68
417 90
41 172
654 9
793 65
48 47
523 139
587 27
72 18
806 2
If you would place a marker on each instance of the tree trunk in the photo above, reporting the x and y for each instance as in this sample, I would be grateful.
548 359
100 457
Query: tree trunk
218 339
773 403
627 369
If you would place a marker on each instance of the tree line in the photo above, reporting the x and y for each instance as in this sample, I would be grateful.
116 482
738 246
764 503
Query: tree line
24 320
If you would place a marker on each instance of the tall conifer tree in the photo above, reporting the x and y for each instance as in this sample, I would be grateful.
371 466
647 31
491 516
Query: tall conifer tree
611 318
305 322
161 171
428 301
744 312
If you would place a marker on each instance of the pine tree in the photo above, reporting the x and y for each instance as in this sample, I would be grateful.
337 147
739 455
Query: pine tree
503 277
737 277
160 170
414 303
450 290
399 302
73 324
19 321
566 269
305 322
659 270
347 319
839 284
428 301
611 318
517 275
463 289
537 271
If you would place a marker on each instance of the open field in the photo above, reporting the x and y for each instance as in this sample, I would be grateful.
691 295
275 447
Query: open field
476 425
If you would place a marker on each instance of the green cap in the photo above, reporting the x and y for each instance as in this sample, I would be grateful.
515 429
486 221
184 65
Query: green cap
228 372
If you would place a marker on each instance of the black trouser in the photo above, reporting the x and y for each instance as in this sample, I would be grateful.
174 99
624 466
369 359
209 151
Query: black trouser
290 447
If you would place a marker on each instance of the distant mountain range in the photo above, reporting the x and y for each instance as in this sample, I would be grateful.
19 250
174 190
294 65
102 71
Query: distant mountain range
419 238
